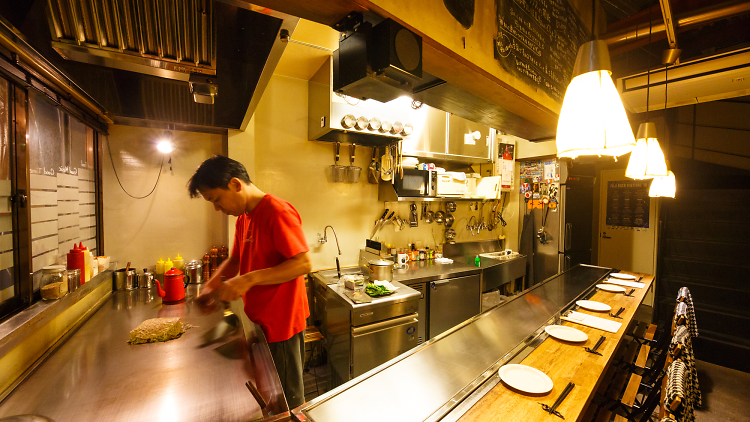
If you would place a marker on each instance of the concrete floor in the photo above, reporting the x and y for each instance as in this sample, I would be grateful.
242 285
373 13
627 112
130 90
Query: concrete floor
726 394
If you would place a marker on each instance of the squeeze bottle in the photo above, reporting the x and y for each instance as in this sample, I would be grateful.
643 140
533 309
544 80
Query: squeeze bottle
87 261
168 265
76 260
179 263
159 271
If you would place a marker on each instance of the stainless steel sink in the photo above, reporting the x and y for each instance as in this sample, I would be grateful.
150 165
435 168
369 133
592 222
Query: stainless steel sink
332 277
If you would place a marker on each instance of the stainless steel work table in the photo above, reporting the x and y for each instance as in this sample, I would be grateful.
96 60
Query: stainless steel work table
97 376
428 382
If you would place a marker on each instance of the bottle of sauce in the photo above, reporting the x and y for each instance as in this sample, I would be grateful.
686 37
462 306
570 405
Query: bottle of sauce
86 261
159 271
168 265
179 263
76 261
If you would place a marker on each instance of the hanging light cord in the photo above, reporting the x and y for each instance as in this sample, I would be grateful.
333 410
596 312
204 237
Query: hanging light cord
648 73
118 178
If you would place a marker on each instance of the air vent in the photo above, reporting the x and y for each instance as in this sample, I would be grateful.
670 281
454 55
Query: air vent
165 38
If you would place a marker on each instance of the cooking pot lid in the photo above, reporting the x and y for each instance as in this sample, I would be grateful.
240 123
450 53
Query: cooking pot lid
381 262
173 271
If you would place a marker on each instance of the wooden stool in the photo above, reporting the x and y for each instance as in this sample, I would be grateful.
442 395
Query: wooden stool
312 337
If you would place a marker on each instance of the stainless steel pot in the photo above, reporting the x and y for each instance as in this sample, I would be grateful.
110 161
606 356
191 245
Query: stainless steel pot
380 270
145 280
124 281
194 269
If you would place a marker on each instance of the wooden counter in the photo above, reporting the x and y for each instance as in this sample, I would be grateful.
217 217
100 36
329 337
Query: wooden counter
563 362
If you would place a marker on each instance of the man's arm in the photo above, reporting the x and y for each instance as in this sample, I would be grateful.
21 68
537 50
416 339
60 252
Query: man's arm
290 269
228 269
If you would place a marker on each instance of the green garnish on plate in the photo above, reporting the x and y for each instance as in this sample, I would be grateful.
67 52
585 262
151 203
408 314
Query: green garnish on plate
376 290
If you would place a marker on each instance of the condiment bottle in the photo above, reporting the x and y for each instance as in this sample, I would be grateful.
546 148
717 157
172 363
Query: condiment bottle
476 261
179 263
159 271
87 261
76 260
168 265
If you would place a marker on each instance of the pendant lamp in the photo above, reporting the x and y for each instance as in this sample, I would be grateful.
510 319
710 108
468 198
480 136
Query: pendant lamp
647 160
663 186
593 120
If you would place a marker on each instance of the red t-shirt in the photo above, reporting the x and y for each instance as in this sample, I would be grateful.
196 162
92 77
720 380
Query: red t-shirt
265 237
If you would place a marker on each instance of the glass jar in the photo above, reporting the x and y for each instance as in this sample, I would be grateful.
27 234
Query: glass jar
54 283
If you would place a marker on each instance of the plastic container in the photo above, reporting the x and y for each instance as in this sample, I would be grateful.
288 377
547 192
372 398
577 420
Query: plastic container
477 261
87 262
179 263
159 271
77 260
168 265
54 282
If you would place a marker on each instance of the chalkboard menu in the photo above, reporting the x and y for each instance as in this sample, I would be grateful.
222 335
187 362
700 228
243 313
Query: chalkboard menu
537 41
628 203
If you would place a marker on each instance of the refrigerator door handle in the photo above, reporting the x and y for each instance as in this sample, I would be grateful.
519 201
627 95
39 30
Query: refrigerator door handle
567 262
568 235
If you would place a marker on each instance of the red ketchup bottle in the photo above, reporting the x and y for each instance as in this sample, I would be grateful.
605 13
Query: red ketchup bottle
77 260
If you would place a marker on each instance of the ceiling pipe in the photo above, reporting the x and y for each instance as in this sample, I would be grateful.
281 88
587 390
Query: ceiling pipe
640 31
666 12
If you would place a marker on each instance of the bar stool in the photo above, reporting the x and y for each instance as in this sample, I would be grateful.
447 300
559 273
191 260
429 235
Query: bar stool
313 338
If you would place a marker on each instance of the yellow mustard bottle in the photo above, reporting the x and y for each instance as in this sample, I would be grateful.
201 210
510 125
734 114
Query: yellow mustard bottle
179 263
168 265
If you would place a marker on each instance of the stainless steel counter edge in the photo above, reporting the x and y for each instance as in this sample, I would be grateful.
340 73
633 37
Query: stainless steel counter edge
496 342
17 328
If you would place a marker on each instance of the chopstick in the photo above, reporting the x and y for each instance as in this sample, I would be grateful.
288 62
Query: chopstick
617 315
559 400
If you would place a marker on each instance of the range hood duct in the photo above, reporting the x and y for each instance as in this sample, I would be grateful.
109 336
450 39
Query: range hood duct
165 38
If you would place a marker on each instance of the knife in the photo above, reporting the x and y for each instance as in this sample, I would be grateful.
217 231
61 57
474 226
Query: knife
553 409
378 223
596 346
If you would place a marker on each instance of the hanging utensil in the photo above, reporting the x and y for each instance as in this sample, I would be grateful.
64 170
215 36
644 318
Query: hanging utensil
450 206
373 172
553 409
386 164
413 219
352 171
378 223
337 171
448 220
430 216
439 216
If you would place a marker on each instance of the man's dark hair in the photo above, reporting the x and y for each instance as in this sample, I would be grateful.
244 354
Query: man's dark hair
216 172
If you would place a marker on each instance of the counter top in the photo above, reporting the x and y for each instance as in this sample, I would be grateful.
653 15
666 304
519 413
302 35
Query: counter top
96 375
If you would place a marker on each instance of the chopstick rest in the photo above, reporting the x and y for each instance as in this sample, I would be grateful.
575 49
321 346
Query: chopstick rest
559 400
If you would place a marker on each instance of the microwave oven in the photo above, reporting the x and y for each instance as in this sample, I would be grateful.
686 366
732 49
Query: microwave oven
415 182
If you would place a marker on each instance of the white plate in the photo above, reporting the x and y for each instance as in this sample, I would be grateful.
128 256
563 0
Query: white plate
525 378
610 288
623 276
565 333
592 305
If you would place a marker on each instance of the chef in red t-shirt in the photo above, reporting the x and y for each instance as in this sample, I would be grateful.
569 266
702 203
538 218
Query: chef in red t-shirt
270 255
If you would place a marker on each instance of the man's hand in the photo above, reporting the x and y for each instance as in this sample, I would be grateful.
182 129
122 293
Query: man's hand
235 287
207 300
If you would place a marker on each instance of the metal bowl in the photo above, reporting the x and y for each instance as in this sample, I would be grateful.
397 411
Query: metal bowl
439 217
451 206
449 219
429 217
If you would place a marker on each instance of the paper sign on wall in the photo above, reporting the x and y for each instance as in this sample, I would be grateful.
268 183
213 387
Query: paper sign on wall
505 162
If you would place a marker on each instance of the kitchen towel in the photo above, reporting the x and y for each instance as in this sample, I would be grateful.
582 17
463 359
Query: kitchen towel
592 321
613 280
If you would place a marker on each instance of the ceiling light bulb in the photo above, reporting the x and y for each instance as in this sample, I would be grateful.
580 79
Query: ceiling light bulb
164 147
647 160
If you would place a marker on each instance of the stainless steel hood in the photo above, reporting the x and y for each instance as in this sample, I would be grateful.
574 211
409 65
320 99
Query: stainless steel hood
135 57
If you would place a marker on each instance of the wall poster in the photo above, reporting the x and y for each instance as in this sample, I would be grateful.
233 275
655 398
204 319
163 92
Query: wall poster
628 203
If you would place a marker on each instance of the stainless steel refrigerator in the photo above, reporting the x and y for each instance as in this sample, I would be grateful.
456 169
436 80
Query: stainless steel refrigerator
568 228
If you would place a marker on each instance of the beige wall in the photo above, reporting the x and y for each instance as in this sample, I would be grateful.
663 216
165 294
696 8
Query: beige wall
168 221
283 162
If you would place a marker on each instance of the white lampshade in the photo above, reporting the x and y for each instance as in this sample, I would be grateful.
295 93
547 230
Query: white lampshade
663 186
647 160
593 120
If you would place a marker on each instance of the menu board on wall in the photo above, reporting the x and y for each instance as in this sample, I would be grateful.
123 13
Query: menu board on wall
537 41
628 203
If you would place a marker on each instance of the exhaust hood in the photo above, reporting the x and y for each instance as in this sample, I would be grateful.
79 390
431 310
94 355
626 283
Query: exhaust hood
159 62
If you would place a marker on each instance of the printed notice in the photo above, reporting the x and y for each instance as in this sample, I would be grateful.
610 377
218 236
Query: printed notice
628 203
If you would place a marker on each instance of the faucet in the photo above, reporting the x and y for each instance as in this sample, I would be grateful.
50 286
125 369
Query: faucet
323 239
